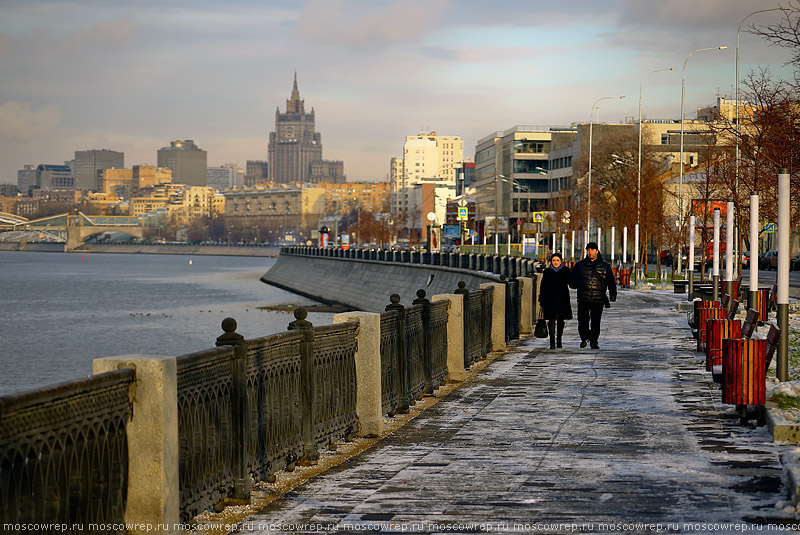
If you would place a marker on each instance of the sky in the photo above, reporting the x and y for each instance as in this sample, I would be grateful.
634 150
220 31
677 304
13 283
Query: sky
132 76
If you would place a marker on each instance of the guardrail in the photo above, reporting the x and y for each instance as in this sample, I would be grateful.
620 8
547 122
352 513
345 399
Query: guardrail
510 266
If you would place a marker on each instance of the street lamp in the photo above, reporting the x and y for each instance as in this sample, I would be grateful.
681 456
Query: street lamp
639 183
680 163
589 195
496 214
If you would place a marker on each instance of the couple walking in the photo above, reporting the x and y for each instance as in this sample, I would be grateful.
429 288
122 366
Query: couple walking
591 277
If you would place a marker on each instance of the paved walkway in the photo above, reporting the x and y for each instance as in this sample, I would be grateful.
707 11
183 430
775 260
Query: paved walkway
630 438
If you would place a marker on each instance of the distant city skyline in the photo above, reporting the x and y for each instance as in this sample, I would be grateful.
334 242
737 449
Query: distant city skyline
82 75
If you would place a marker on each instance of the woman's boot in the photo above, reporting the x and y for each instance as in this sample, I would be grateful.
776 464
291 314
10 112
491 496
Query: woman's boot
551 328
560 333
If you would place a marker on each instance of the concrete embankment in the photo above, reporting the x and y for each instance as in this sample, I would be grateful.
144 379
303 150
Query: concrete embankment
366 284
215 250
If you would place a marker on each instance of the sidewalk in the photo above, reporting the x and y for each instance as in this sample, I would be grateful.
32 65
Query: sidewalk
630 438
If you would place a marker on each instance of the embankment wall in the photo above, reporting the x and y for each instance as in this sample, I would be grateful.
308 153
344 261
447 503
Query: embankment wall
366 284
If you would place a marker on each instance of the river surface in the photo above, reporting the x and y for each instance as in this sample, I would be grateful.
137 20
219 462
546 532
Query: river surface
60 311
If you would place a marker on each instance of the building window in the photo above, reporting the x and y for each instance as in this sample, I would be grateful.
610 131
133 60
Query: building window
531 166
523 146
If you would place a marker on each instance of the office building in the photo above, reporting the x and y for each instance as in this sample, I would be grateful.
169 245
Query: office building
90 163
187 161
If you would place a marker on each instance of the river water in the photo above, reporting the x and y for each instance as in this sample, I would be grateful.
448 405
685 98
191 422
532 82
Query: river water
60 311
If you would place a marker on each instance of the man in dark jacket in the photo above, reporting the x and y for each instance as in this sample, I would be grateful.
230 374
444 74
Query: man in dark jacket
592 277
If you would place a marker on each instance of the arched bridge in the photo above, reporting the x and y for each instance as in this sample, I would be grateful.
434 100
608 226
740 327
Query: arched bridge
73 229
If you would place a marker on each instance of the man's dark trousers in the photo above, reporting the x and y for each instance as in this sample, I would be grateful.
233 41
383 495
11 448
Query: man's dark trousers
589 312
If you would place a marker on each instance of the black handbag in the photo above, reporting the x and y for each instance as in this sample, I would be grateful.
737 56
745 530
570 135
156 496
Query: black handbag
541 328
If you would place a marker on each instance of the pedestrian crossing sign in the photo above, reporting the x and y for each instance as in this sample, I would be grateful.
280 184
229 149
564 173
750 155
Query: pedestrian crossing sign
769 227
538 217
463 212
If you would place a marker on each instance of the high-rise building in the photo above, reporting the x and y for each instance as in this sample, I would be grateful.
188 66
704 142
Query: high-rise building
427 158
90 163
188 162
294 151
26 179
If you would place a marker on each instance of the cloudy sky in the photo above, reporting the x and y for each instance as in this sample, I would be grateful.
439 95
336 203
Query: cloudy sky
133 75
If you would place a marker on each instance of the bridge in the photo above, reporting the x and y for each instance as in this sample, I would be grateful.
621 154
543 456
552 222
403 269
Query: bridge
71 229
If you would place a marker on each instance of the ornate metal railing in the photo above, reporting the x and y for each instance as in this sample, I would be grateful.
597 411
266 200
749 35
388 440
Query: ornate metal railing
474 327
205 428
273 403
415 351
486 331
497 264
64 455
438 336
334 404
513 300
390 375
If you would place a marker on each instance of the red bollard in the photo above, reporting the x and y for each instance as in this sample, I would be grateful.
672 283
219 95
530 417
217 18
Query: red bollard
705 314
716 331
625 277
744 371
762 305
699 305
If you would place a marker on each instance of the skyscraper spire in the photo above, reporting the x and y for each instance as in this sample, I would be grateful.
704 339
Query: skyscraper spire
294 104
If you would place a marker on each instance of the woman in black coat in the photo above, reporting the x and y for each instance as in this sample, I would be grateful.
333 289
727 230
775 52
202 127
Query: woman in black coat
554 298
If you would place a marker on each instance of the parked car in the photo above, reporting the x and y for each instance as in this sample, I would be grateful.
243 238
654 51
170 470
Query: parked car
768 260
745 259
794 263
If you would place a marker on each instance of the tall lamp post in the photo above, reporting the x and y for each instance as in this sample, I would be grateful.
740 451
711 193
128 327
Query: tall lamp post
680 162
639 182
589 195
496 213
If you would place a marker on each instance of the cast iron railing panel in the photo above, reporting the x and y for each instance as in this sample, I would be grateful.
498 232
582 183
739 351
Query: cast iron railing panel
64 454
205 429
475 326
390 381
334 406
415 351
438 333
273 403
488 307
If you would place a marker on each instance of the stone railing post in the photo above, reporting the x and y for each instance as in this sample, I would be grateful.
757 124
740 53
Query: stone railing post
427 341
241 421
526 305
153 452
498 335
455 334
310 453
369 390
402 354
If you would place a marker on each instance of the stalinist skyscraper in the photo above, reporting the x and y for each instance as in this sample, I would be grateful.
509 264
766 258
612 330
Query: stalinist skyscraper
294 152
